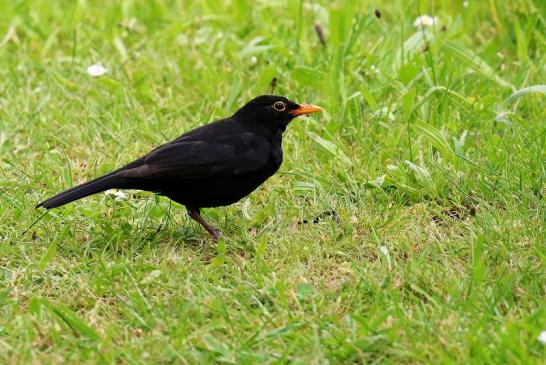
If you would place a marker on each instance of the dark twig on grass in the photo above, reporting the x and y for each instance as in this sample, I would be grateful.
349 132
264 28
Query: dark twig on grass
34 223
325 214
456 213
273 85
320 34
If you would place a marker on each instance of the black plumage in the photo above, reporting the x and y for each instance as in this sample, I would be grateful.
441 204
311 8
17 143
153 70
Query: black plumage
213 165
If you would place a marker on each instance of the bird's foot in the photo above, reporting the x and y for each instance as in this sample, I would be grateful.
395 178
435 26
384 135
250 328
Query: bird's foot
214 233
194 214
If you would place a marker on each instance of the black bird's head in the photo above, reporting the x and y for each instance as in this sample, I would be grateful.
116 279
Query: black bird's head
273 112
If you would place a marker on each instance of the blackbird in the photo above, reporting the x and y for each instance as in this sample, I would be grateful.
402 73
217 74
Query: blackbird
213 165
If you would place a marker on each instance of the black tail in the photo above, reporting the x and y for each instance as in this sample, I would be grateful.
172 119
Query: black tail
81 191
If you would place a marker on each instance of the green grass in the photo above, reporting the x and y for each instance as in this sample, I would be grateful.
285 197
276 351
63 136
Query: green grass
430 151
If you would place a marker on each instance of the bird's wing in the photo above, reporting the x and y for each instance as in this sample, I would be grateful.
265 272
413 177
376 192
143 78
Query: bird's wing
198 158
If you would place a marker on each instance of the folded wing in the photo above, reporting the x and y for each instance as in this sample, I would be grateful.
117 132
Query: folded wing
198 158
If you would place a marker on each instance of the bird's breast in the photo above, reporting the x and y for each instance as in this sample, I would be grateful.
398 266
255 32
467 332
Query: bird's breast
276 156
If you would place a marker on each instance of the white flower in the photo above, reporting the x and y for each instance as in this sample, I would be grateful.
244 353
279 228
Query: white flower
96 70
425 21
118 194
384 250
542 337
379 181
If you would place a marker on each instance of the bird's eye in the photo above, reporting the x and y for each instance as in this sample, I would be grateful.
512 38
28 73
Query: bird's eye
279 106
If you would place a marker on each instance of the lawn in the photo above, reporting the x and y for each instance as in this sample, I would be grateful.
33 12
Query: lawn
406 224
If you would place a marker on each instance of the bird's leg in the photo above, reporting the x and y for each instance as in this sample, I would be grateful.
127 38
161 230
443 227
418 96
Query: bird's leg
194 214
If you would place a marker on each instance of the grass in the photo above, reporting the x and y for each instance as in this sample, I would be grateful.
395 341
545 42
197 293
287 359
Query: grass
431 153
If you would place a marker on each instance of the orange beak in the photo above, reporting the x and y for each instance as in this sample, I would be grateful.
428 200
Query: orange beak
306 109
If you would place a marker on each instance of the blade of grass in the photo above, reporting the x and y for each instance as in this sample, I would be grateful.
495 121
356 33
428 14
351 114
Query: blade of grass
474 62
540 89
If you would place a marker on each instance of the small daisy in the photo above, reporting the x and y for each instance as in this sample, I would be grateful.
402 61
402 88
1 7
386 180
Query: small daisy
542 337
425 21
96 70
118 194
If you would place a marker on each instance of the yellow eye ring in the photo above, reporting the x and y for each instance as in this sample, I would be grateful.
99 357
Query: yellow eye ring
279 106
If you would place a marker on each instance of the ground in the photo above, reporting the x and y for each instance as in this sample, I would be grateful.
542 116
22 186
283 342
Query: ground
406 224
